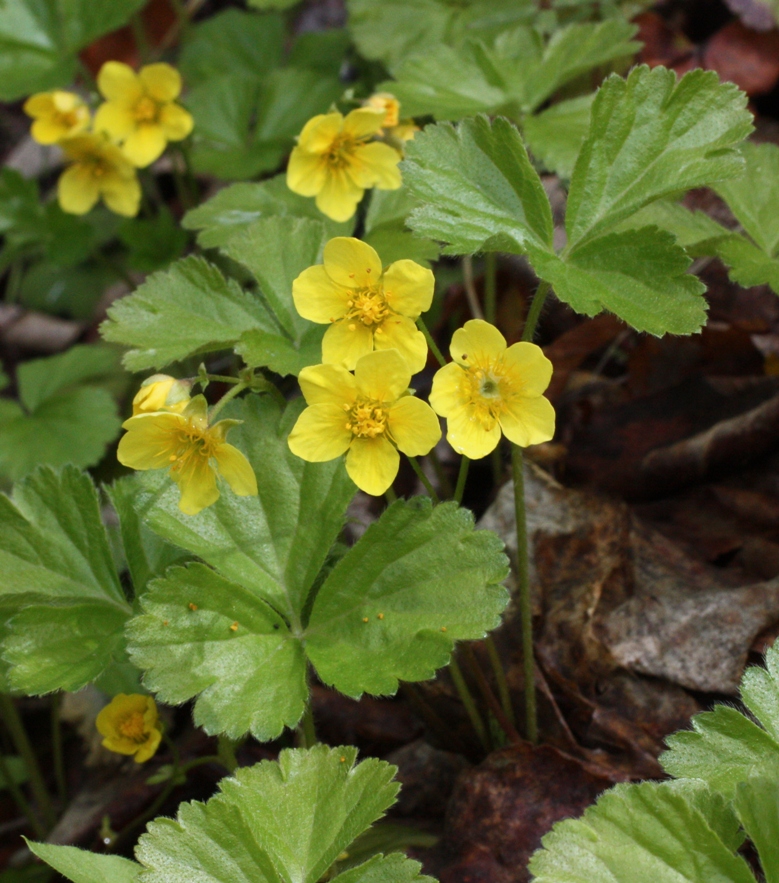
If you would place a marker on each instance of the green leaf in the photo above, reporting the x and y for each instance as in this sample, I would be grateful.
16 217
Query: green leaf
715 807
477 188
322 51
386 230
236 207
58 572
696 232
40 39
19 200
189 652
282 822
760 691
273 4
86 867
555 135
639 275
637 832
269 544
153 242
747 264
757 804
652 136
186 310
423 579
72 292
17 771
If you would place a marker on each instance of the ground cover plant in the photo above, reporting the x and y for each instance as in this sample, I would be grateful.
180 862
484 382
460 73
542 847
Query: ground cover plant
346 331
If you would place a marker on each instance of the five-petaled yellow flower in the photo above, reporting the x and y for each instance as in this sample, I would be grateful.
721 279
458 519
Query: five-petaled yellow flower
369 416
56 115
336 161
141 110
367 309
161 392
194 452
130 725
97 169
490 388
394 128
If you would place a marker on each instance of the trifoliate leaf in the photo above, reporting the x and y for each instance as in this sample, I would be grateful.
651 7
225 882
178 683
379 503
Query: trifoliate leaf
637 832
651 136
59 574
269 544
81 866
276 822
757 804
236 207
39 42
555 136
477 188
186 310
418 580
201 635
639 275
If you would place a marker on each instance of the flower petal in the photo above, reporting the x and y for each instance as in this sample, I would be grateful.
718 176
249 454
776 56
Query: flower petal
375 165
317 298
118 81
372 464
176 123
447 393
531 371
161 81
352 263
339 196
115 118
197 483
320 433
150 441
364 121
149 748
414 426
320 132
345 342
122 195
383 375
306 172
77 190
467 435
144 144
477 343
236 470
328 385
408 287
40 105
48 130
528 421
401 334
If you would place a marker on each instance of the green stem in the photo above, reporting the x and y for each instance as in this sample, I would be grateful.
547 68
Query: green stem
183 17
228 396
86 76
440 473
490 287
470 288
489 697
140 37
535 311
22 744
468 702
461 478
223 378
226 753
307 728
390 495
423 478
428 714
525 601
500 679
21 801
56 747
430 342
115 267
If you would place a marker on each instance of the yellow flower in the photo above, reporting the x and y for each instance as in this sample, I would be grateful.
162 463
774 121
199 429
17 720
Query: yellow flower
160 392
490 388
141 110
368 415
336 161
130 725
56 115
395 129
97 169
367 309
193 450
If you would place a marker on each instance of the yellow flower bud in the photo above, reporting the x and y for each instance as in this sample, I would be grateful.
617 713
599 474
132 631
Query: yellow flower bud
130 725
160 392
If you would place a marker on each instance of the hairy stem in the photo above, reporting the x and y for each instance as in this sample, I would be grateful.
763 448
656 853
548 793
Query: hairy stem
430 342
534 312
490 286
461 478
423 478
468 702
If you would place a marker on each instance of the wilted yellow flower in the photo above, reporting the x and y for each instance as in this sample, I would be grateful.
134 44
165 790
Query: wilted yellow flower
160 392
193 451
56 115
141 110
97 169
394 128
367 309
130 725
368 415
336 161
490 388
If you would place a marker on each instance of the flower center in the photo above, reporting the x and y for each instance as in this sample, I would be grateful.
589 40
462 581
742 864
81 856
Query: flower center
190 445
146 110
367 419
341 151
369 306
133 727
485 390
68 119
